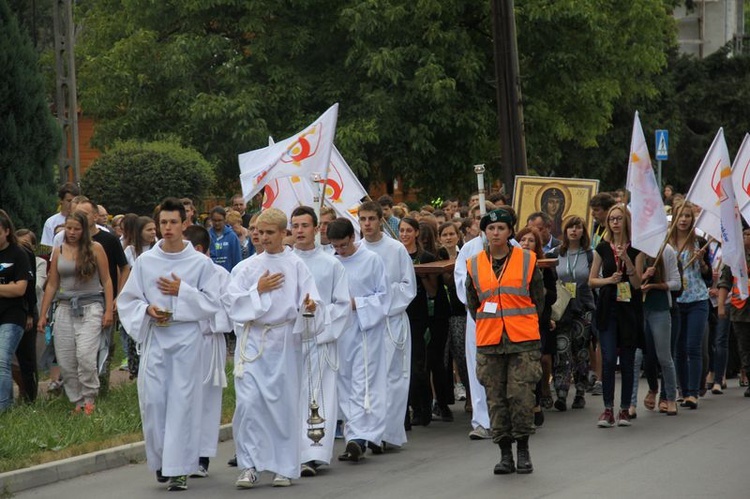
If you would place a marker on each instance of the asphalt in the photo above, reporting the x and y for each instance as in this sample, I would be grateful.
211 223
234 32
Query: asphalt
697 454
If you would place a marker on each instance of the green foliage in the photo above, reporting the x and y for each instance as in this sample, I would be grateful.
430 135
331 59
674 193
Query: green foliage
134 177
46 430
29 136
415 79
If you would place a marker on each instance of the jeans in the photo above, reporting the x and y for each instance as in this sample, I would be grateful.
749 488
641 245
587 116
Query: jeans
658 328
721 349
10 337
693 325
608 345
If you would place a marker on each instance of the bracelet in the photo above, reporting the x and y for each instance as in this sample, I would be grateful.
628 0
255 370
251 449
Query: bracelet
631 272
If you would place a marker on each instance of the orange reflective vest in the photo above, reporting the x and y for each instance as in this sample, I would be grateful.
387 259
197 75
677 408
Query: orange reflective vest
505 304
736 301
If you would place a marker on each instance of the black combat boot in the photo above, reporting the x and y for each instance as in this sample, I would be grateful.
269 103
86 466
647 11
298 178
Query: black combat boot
523 456
506 465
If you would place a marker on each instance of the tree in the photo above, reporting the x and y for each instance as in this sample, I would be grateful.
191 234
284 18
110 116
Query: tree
29 136
135 176
415 79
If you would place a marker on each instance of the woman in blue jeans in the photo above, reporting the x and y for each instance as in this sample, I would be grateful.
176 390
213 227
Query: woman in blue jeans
15 273
662 279
619 314
692 303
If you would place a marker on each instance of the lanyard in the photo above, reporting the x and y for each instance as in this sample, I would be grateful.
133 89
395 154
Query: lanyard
572 271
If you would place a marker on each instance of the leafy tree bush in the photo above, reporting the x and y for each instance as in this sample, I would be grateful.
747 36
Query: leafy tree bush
135 176
29 137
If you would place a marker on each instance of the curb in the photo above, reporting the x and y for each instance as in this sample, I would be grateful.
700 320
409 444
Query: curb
65 469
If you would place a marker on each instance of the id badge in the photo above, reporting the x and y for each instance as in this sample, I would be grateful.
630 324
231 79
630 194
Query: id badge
490 307
623 292
571 287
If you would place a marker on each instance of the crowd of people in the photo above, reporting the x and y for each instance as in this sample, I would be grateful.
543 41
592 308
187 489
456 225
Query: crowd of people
373 330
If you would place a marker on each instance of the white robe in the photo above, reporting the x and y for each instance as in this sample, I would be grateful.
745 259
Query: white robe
268 360
480 415
362 378
402 283
169 385
321 358
213 375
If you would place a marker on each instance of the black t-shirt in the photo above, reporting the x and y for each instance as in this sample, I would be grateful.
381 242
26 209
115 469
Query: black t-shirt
115 254
417 309
14 266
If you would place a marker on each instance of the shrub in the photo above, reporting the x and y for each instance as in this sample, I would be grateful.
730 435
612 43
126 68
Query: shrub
136 176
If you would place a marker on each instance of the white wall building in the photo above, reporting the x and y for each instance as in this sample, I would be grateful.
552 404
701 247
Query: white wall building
709 26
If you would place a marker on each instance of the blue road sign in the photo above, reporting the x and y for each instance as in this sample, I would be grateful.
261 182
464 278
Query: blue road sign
662 144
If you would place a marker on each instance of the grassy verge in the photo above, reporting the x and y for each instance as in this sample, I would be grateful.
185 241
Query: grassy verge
47 431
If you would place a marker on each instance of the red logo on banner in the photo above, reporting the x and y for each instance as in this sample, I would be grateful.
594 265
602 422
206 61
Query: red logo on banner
305 147
270 193
745 180
716 177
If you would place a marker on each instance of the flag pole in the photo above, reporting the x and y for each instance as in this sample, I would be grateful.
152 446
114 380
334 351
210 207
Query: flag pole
703 248
672 227
479 170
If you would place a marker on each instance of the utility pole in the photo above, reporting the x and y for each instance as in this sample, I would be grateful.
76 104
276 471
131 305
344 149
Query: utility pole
66 99
509 106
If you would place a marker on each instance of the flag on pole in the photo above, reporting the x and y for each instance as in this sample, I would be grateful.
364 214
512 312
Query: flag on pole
343 190
305 153
713 190
649 218
741 177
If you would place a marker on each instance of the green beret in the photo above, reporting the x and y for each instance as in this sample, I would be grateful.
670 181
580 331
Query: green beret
493 216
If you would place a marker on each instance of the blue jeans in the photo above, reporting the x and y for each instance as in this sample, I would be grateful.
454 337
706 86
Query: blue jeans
693 325
658 329
721 349
608 345
10 337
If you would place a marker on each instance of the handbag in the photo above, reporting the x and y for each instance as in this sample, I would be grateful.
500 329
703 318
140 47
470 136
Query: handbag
561 304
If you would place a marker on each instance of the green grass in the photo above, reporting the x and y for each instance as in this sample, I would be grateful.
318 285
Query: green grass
47 431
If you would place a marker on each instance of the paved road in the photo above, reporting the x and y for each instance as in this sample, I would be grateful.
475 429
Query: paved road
698 454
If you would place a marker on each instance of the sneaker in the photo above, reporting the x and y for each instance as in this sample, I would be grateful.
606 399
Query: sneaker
354 452
232 462
579 402
55 387
161 478
480 433
247 479
177 483
539 419
546 402
597 389
308 469
446 415
623 418
607 419
459 392
281 481
560 405
201 472
339 430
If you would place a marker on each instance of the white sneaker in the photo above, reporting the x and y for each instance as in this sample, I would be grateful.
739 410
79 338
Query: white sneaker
281 481
201 472
459 392
247 479
480 433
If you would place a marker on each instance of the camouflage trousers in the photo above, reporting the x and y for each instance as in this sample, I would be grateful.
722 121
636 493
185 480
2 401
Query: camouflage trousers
509 381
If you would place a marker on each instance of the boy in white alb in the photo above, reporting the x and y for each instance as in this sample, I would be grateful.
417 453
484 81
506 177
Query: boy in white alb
362 376
269 298
321 359
402 284
170 291
213 360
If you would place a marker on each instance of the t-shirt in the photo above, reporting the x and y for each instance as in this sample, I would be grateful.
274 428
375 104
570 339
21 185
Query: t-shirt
115 254
14 266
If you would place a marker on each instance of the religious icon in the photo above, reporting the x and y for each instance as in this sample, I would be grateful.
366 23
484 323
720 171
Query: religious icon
560 198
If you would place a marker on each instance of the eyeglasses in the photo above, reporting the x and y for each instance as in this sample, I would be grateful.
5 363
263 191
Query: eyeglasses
615 219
